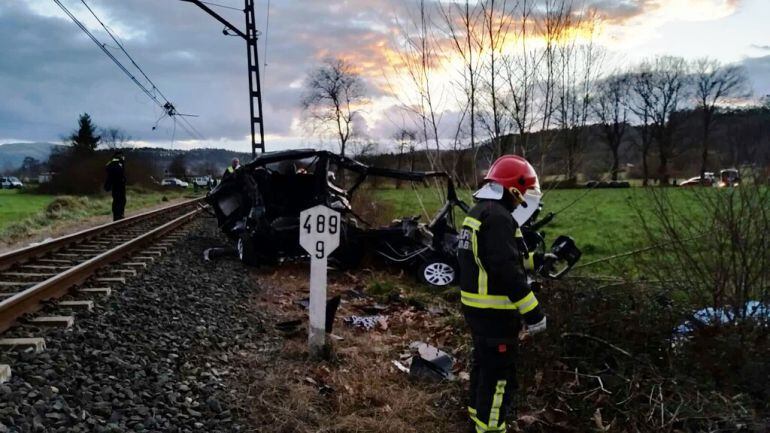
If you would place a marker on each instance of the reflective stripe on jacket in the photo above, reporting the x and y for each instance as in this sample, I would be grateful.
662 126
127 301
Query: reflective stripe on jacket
492 258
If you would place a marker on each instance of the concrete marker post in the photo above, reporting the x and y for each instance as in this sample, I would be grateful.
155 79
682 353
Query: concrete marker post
319 235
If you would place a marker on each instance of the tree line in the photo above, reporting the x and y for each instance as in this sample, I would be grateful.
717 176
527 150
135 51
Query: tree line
498 76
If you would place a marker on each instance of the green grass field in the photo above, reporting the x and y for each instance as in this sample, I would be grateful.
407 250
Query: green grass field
15 206
22 212
603 222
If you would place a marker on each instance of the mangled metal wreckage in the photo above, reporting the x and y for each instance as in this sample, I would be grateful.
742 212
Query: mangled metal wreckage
259 207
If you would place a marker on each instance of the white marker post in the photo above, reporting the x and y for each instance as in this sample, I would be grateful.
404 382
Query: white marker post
319 235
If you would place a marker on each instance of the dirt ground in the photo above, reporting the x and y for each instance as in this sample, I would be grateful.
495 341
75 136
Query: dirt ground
357 388
65 227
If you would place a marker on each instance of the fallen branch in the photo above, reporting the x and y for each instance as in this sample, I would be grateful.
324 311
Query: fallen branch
598 340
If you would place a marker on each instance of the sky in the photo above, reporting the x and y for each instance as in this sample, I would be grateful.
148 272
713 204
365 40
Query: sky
50 72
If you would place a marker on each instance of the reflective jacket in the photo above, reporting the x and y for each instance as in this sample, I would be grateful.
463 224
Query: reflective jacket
229 172
492 262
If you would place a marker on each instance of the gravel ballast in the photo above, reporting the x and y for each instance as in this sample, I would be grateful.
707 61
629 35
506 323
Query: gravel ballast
152 357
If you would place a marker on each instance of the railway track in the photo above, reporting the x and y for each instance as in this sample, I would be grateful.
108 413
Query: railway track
86 264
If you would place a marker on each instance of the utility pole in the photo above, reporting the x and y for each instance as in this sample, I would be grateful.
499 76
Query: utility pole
255 88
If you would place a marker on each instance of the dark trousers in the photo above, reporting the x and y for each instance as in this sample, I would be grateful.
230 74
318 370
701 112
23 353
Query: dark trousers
493 368
118 203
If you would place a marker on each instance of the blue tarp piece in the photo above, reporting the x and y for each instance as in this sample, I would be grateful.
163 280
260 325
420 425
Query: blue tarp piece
753 310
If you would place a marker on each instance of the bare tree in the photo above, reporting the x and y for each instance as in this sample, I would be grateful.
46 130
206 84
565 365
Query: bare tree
664 87
579 64
419 56
464 30
553 27
405 140
115 138
333 94
611 108
640 103
496 27
178 166
521 66
714 83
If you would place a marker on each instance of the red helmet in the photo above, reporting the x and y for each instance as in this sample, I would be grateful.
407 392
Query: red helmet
513 171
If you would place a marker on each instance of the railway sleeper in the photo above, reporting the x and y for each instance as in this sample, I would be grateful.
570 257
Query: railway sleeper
34 344
144 258
18 283
58 261
76 305
44 267
120 280
25 275
101 291
5 373
53 321
129 272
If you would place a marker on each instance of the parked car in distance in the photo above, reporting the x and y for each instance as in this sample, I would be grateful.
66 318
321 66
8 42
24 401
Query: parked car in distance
707 180
172 182
729 177
201 181
10 182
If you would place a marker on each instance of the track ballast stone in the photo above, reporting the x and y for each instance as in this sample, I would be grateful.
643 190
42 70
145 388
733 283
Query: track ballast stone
152 357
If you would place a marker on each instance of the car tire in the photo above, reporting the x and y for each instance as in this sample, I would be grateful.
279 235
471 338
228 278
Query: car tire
437 273
246 251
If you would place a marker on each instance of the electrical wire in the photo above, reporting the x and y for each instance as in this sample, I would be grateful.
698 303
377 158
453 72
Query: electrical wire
123 49
108 53
150 93
267 33
222 6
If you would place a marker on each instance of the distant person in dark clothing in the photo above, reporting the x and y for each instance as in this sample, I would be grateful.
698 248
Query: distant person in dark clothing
116 182
230 171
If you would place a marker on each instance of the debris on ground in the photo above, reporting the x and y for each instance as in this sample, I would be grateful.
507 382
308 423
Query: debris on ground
357 386
426 362
753 311
367 323
214 253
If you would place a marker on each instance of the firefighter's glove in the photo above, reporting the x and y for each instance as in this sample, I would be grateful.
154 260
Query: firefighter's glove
536 328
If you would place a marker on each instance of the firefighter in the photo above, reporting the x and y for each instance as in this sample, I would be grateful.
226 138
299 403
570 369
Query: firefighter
230 170
495 292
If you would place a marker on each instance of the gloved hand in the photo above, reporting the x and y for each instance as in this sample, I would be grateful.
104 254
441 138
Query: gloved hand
537 327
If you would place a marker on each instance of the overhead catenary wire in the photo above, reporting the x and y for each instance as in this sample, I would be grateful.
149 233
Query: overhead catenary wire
152 94
222 6
267 33
123 49
108 53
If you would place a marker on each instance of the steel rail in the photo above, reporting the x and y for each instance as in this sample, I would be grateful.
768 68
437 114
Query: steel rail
12 258
57 286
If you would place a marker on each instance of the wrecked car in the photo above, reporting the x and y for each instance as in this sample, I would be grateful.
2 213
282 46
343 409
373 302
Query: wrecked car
258 208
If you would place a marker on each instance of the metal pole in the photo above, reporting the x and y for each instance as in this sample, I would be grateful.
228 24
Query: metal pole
255 88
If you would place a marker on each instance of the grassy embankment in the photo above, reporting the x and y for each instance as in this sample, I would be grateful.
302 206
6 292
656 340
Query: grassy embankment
23 213
602 221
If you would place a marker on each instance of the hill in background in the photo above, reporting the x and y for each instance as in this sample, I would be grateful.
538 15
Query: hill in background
12 154
197 161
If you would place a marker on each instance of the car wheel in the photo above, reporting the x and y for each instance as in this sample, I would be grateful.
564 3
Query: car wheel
246 252
437 273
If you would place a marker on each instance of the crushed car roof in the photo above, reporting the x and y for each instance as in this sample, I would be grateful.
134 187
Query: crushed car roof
343 161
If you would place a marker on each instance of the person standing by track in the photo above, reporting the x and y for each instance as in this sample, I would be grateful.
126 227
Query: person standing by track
116 183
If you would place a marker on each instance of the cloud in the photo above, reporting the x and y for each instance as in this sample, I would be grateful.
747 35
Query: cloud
758 69
50 72
48 77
